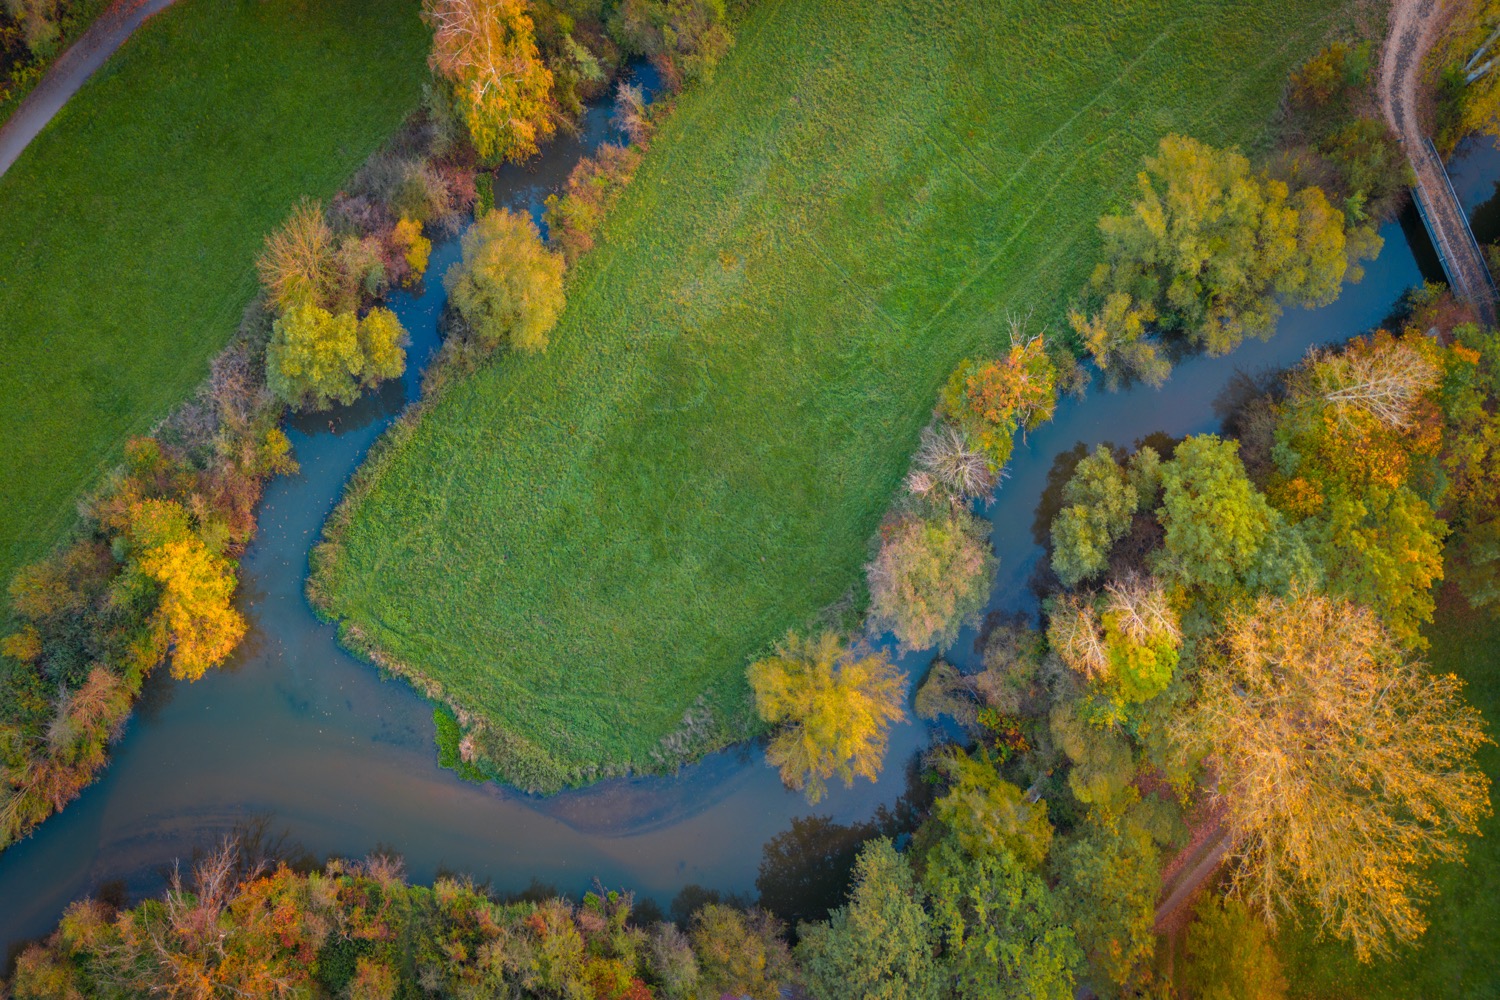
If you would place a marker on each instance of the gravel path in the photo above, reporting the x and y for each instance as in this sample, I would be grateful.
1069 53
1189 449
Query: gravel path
70 71
1414 27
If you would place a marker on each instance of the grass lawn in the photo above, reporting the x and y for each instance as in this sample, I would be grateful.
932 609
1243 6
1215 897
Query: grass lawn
576 546
1459 957
129 228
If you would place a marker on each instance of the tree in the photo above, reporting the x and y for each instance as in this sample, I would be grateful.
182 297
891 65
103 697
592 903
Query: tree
1103 764
1099 504
508 287
986 813
1142 636
316 359
686 38
1107 880
946 463
990 401
197 587
1213 249
834 708
1116 337
1004 934
930 577
299 265
1215 519
1344 767
880 945
1229 955
739 954
486 50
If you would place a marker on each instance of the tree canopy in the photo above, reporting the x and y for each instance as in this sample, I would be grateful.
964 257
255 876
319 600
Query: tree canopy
834 707
508 288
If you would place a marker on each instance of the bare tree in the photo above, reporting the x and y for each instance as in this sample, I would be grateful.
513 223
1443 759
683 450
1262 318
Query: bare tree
1385 378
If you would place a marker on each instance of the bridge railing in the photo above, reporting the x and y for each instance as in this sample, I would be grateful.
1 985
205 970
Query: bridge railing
1468 234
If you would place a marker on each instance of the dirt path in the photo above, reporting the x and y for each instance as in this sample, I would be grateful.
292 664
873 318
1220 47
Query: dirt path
1187 873
1414 27
70 71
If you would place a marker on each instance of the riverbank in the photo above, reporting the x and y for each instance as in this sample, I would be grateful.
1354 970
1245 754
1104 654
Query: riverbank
699 461
130 227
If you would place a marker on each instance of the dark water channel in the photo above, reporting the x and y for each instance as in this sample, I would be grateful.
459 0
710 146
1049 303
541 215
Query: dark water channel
299 735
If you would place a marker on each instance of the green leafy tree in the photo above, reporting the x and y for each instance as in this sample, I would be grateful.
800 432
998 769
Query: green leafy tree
1004 933
1103 763
1116 337
986 813
930 577
1214 249
1107 880
316 359
834 708
880 946
1100 500
508 287
1228 955
1216 521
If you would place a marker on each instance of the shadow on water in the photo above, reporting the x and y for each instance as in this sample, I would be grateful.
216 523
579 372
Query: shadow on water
311 744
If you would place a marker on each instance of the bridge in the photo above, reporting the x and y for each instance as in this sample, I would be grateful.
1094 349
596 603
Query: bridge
1414 26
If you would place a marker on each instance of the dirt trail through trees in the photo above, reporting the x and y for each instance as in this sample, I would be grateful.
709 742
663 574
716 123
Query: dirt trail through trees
1414 27
70 71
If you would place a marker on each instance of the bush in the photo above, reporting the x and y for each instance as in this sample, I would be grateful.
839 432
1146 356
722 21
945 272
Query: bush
316 359
992 400
508 288
931 577
593 188
685 38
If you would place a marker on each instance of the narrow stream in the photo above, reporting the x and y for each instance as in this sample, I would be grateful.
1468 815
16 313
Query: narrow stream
301 736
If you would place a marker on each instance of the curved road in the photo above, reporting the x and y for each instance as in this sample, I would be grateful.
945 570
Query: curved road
70 71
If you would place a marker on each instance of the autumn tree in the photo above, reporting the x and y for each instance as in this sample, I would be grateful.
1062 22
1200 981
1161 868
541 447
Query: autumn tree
686 38
991 400
740 954
833 705
1102 759
1212 249
1005 935
930 577
508 288
1215 519
1345 767
878 946
316 358
486 51
196 612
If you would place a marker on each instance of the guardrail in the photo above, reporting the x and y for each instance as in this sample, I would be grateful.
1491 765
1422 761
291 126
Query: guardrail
1468 235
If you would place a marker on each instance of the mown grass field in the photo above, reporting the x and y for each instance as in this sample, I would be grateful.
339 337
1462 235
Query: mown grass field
129 228
577 545
1459 956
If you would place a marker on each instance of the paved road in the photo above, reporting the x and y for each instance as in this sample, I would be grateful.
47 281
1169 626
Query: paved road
70 71
1414 27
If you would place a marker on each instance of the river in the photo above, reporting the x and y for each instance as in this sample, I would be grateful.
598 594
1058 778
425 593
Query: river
308 741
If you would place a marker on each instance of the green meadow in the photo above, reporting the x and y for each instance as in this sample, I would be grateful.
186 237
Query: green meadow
578 546
129 228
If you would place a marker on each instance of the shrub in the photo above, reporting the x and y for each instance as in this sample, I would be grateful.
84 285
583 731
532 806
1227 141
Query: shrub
593 187
508 288
685 38
299 265
415 248
316 359
990 401
931 577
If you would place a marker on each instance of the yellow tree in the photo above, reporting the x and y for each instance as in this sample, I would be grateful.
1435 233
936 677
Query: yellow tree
1344 767
487 50
834 708
197 586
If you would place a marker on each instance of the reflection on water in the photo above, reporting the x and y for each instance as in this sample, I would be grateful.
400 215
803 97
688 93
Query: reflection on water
309 742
